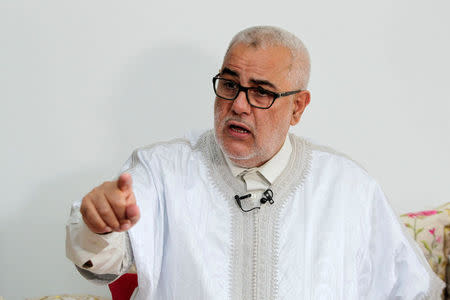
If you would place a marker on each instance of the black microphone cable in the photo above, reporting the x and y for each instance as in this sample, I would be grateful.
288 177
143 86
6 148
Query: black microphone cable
238 201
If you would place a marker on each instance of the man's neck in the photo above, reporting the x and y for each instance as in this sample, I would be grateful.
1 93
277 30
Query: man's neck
272 168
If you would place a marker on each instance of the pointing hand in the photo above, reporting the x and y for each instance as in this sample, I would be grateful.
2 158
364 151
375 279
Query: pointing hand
111 206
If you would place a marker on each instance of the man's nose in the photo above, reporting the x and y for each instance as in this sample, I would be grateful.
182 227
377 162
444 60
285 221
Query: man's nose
241 105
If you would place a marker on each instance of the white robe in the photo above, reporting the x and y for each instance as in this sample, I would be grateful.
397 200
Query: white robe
329 235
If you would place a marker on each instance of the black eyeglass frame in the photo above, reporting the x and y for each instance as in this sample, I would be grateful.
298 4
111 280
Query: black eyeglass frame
245 90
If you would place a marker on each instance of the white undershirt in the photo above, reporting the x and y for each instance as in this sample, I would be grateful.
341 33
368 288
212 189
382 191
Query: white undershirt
106 251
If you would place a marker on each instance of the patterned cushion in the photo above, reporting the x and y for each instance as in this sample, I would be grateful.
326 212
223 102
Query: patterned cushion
428 230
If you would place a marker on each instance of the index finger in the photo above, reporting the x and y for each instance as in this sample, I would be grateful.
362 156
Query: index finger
125 182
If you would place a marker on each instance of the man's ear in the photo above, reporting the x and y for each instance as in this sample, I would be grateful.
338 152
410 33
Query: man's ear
301 100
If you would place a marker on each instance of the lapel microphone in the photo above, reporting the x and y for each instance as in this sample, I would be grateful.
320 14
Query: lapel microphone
267 196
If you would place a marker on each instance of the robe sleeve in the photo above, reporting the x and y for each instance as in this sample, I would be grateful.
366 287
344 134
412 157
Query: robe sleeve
147 235
398 269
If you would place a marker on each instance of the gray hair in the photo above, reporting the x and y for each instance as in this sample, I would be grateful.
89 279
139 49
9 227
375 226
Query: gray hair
269 36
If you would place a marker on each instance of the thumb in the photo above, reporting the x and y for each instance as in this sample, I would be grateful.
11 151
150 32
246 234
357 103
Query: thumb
125 183
133 213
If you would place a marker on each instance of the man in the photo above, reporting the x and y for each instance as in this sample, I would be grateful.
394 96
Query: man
248 211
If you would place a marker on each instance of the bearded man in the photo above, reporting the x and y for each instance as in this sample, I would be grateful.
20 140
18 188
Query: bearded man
249 211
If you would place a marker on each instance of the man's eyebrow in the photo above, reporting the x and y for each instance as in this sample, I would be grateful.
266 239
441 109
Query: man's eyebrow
229 72
253 81
263 82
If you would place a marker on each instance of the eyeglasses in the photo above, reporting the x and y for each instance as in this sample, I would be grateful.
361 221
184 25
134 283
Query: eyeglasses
256 96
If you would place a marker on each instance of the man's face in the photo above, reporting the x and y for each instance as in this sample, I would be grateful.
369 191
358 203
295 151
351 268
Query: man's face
250 136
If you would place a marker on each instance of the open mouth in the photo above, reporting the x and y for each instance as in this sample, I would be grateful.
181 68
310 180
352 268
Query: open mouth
238 129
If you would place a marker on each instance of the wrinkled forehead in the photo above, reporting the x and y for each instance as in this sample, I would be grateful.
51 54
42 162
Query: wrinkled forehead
266 62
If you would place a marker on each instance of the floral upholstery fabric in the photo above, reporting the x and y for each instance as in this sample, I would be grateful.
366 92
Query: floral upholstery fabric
431 230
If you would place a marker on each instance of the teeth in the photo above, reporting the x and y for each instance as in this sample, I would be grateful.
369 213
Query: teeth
239 129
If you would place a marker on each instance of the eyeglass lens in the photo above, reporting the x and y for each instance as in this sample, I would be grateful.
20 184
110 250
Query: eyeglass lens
229 89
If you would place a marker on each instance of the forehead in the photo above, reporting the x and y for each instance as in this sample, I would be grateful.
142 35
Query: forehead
267 63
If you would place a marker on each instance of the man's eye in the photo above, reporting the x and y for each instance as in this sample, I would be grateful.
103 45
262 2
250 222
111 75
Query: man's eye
229 85
262 92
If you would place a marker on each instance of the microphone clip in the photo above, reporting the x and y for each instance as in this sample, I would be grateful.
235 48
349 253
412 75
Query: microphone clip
267 197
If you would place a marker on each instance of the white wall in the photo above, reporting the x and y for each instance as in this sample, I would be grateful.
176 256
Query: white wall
82 83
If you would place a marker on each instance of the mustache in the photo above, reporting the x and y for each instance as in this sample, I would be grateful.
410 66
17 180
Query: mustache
237 119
